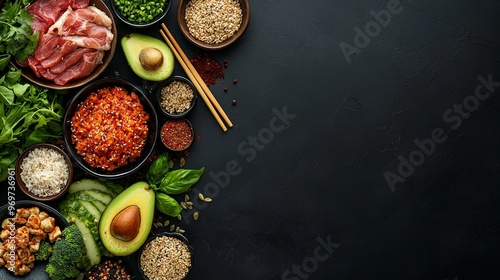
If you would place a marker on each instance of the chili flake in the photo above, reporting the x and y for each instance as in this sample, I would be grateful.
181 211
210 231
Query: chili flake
177 134
109 128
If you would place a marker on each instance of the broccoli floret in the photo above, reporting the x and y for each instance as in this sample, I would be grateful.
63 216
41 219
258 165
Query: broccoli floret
66 253
44 251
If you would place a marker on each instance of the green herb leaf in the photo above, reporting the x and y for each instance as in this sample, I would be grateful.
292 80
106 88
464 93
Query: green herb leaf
180 180
158 169
16 35
167 205
4 61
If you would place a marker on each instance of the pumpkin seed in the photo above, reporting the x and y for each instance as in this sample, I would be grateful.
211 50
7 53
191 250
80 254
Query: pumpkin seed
208 199
200 196
189 203
172 227
171 163
181 231
196 215
179 217
183 205
186 197
166 223
177 229
182 162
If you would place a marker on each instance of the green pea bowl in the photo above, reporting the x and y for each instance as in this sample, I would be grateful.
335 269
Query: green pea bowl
138 15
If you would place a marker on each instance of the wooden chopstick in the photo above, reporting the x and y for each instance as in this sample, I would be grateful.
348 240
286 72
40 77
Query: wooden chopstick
195 82
196 75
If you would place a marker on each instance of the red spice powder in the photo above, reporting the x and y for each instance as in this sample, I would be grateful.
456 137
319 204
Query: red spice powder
208 67
177 134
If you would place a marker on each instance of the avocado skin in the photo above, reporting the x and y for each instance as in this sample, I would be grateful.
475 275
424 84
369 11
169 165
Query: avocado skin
139 194
133 43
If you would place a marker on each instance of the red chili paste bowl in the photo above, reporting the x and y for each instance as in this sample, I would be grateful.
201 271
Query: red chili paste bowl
177 134
150 140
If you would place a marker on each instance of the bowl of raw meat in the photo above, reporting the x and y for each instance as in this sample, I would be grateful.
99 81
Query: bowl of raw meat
77 42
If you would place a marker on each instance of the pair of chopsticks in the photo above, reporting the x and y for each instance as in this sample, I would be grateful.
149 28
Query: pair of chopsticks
198 82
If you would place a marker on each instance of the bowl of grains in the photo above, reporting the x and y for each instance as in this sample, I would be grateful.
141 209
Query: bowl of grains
176 96
110 128
213 24
166 255
177 134
44 172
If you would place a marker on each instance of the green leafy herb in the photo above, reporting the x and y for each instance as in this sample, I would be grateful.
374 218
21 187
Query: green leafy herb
158 169
16 35
167 205
29 114
180 180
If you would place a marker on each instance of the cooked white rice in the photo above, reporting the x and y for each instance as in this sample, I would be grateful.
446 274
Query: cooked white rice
44 171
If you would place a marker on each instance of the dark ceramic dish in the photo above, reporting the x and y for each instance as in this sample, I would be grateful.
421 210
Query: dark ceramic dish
159 234
153 21
37 272
22 185
152 128
166 83
181 12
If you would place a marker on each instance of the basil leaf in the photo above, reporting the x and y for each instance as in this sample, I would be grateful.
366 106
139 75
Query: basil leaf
158 169
167 205
180 180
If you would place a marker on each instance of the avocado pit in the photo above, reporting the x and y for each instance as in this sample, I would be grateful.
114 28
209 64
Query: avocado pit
126 224
151 58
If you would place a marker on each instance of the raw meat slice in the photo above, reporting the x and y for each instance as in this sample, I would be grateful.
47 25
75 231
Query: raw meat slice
47 44
79 4
58 54
46 12
81 69
69 60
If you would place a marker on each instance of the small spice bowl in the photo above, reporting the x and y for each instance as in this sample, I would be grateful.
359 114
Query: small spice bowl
138 15
46 165
172 99
153 257
181 21
177 134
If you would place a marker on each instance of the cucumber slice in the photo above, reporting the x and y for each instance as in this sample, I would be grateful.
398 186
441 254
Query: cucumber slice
88 184
91 208
81 196
93 252
101 196
84 216
116 188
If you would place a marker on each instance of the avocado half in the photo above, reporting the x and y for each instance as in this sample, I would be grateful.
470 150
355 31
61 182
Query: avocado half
134 43
139 195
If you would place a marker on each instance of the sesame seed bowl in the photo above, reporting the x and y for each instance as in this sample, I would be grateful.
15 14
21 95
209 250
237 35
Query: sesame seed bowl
167 255
110 128
44 172
176 96
212 26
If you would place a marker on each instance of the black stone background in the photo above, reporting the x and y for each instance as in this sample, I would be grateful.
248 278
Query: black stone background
322 178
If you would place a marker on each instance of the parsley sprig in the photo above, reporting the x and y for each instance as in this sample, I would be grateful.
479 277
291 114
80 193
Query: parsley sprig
16 35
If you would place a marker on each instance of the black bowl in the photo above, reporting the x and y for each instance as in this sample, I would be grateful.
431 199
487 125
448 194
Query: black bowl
130 23
37 272
166 83
152 128
159 234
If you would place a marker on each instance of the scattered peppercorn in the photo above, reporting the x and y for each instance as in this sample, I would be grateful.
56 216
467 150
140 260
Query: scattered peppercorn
234 102
225 89
235 81
110 269
225 63
208 67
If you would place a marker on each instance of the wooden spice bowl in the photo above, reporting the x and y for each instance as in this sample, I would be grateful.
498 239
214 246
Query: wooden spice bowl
181 12
22 184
